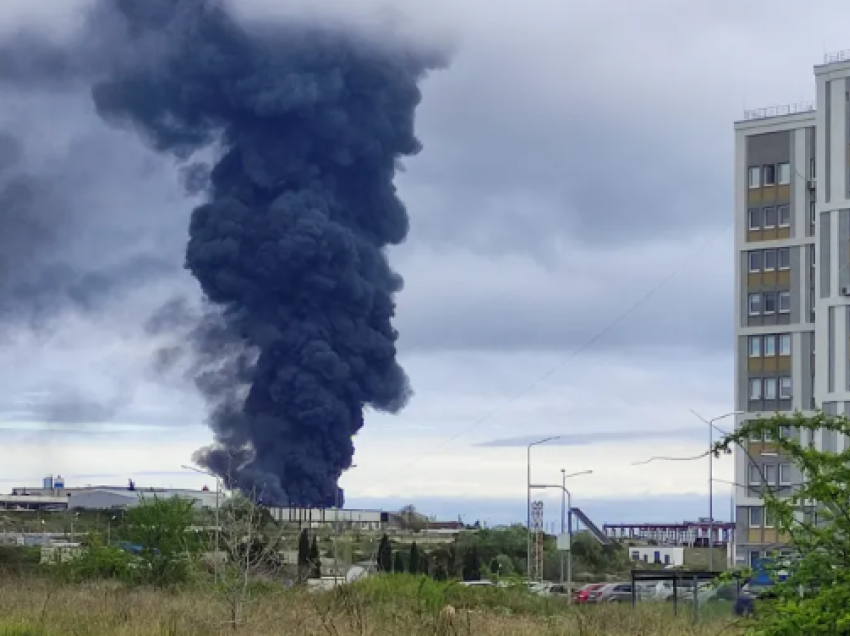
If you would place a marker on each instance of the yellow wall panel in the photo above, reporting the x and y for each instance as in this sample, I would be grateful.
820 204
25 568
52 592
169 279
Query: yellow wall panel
754 196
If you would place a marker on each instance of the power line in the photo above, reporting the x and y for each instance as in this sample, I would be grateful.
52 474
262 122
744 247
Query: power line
575 353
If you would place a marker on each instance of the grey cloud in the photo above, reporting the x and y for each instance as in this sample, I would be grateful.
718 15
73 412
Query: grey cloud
71 406
85 219
624 301
602 437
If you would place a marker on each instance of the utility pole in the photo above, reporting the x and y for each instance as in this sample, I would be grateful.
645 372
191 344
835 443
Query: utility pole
711 428
528 500
563 516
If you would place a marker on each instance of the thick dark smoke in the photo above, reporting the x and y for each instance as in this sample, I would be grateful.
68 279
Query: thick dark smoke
308 121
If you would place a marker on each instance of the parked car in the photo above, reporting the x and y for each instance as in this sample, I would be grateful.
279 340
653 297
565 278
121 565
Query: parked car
586 592
614 593
478 583
550 589
655 591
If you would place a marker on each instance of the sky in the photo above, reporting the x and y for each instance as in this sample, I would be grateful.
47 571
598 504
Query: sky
568 270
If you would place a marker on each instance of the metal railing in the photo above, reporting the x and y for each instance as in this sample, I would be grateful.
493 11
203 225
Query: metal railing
779 111
839 56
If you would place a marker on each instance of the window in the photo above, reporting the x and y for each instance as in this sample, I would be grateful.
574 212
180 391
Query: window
769 474
756 437
754 219
812 212
785 474
784 432
769 260
769 518
755 261
756 517
812 173
769 303
755 388
755 475
754 303
814 255
769 175
755 346
784 213
770 388
785 344
784 302
755 177
785 392
770 346
769 218
783 257
784 173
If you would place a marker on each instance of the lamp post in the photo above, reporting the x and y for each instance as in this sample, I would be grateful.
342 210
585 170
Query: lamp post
337 532
566 505
528 500
711 428
217 507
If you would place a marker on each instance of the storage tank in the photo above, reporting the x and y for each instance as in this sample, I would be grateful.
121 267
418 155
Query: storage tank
47 483
59 482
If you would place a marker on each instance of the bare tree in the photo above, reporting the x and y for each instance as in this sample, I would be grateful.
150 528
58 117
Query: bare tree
250 550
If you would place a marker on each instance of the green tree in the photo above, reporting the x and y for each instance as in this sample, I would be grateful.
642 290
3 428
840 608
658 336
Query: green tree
158 531
471 565
413 562
315 560
385 555
814 513
425 563
303 555
410 519
398 562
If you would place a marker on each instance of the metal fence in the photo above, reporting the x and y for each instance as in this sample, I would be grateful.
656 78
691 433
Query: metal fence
685 591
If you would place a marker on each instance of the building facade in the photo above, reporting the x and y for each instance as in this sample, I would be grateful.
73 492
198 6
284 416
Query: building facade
792 277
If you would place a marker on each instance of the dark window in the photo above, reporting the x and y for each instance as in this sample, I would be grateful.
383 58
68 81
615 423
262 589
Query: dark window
770 217
769 302
755 261
784 215
754 218
784 257
769 174
769 260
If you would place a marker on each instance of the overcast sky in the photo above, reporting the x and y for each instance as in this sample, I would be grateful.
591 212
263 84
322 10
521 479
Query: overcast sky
568 270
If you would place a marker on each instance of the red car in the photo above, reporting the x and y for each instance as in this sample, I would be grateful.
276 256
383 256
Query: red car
586 593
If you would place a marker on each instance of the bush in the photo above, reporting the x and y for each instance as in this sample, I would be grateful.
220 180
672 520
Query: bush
96 561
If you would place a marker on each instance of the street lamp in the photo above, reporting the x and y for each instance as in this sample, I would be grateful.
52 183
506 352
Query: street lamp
218 484
528 500
565 492
567 523
711 428
338 530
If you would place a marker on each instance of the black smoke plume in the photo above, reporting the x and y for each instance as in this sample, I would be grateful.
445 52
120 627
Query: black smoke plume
308 121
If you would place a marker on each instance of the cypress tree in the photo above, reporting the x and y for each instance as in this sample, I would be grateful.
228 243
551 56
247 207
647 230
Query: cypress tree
315 560
303 554
385 555
413 565
398 563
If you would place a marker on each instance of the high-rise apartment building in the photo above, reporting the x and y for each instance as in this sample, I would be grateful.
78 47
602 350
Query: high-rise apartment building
792 276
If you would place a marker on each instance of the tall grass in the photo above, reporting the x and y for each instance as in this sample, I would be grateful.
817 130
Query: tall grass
380 606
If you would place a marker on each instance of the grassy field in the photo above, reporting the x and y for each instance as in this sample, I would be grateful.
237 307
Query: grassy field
383 606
